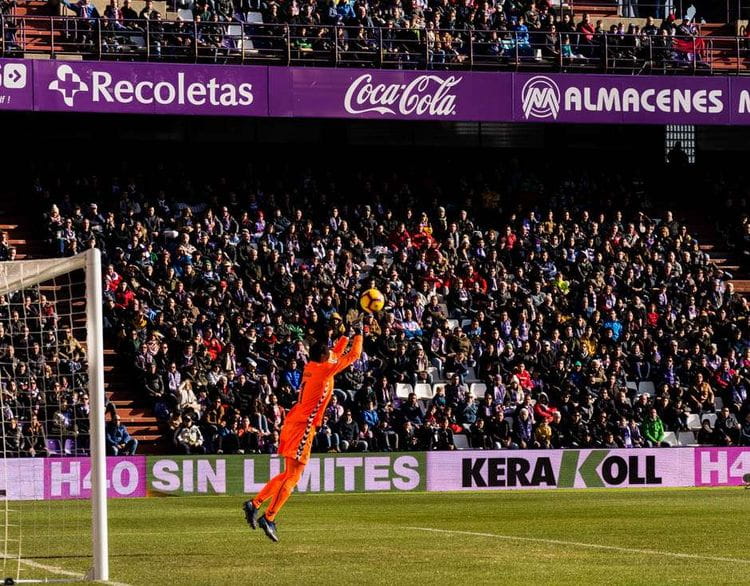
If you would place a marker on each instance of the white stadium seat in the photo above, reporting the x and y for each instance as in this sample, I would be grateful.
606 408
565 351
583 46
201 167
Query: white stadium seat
686 438
711 418
461 441
403 390
646 386
478 389
423 391
670 437
471 376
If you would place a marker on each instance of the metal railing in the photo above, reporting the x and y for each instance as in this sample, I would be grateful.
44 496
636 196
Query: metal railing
236 42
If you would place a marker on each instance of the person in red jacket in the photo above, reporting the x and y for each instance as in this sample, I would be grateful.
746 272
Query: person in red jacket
124 296
542 409
299 428
524 377
212 344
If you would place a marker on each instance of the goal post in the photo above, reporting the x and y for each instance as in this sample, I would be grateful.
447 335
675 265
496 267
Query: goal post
95 346
73 283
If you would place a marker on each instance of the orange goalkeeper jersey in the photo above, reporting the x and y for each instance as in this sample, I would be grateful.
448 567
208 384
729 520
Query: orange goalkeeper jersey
315 392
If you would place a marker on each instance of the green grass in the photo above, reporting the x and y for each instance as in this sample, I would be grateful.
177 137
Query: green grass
369 539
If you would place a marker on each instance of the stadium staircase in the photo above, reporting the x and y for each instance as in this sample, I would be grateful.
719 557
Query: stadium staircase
715 244
20 223
40 38
37 37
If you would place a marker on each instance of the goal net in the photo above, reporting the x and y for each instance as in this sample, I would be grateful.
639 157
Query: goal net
52 473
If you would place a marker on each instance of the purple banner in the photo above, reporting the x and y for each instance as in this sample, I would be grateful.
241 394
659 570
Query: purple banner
150 88
70 478
218 90
721 466
385 94
611 99
16 85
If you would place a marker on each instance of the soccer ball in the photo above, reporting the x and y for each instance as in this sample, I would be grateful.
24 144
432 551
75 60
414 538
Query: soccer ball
372 300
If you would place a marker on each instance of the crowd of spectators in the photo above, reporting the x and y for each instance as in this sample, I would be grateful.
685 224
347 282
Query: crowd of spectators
566 323
419 33
43 373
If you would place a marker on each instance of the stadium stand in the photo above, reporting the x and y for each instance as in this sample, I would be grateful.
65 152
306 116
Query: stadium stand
595 36
579 320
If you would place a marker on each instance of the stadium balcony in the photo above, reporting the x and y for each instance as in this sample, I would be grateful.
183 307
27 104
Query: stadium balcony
597 37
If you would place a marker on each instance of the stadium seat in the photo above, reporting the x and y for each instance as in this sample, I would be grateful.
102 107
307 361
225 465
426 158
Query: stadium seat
435 388
461 441
434 373
235 36
686 438
647 386
478 389
670 437
694 421
632 387
719 402
185 14
403 390
711 418
465 322
452 324
53 447
471 376
423 391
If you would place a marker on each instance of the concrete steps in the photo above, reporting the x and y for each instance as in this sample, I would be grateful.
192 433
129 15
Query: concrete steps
21 222
722 258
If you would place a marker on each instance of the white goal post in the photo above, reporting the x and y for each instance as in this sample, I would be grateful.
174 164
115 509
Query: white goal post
29 275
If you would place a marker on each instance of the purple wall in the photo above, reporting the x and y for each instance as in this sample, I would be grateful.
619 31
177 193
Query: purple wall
153 88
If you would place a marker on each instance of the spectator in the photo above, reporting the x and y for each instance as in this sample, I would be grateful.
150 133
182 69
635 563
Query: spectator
326 439
653 431
349 434
726 428
188 437
442 439
119 442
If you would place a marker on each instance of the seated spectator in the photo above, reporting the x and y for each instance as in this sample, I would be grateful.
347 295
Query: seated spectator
442 437
188 437
726 428
349 434
119 442
326 440
653 431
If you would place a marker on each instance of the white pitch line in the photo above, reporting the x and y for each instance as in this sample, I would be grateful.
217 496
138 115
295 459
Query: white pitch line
693 556
56 570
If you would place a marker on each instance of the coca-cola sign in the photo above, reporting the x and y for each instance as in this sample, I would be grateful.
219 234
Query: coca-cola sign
424 95
389 94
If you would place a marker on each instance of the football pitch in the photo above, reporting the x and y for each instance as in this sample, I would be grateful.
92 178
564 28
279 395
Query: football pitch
613 536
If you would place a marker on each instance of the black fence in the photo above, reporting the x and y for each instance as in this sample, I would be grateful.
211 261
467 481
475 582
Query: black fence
237 42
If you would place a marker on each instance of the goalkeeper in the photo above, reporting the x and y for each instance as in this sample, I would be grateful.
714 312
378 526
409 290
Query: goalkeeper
299 428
